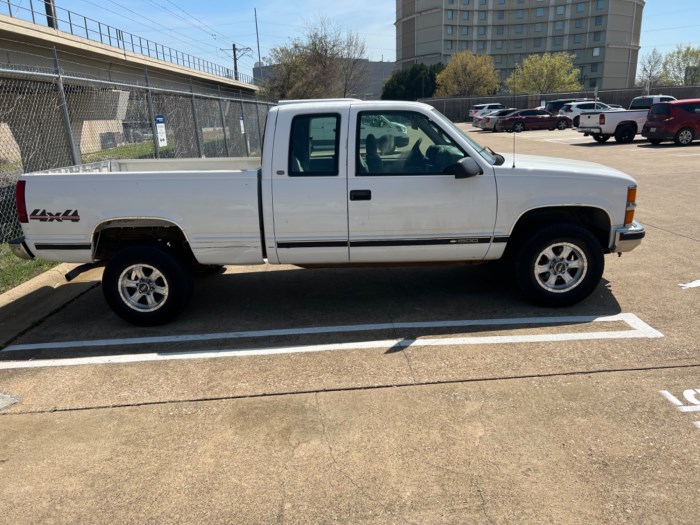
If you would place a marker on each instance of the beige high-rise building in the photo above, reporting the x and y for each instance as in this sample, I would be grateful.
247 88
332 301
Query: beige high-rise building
602 34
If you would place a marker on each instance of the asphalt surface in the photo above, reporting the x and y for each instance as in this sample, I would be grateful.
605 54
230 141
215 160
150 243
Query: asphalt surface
403 395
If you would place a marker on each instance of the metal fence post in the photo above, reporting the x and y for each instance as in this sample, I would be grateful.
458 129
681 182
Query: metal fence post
223 122
245 132
197 129
257 114
74 153
152 117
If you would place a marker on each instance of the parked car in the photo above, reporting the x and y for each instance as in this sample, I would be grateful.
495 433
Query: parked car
678 121
524 119
645 102
553 106
480 109
488 122
574 109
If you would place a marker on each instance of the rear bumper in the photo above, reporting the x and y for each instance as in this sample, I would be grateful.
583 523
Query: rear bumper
658 133
589 130
20 249
627 238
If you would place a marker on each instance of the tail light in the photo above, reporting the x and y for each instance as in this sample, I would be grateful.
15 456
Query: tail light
631 205
488 119
20 202
601 119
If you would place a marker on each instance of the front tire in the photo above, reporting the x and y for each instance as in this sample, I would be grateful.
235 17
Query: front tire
146 285
518 127
560 265
684 137
562 124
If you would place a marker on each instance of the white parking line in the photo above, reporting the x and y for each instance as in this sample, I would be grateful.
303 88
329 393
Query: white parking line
639 329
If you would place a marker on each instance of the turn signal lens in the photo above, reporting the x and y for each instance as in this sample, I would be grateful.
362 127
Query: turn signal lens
21 202
631 205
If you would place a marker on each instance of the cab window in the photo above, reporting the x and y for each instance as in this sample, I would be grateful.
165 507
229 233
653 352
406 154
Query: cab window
402 143
314 145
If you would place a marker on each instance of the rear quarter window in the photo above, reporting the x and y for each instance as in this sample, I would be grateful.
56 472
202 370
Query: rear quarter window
660 110
691 107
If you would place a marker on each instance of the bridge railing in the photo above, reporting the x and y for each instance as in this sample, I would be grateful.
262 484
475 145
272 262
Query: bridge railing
34 11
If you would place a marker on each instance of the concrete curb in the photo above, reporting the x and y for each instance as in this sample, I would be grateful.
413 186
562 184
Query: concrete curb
33 301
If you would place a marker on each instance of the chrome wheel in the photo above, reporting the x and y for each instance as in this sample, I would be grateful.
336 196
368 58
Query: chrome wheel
518 127
143 288
560 267
684 137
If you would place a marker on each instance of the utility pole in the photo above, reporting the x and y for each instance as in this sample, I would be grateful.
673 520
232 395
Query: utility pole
238 53
257 34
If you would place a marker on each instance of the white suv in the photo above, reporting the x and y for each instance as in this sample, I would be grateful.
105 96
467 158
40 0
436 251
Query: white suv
479 109
574 109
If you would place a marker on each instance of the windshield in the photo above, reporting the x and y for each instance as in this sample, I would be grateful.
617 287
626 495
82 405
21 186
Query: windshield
481 150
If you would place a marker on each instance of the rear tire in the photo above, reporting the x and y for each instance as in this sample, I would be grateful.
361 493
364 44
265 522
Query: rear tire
559 265
625 134
518 127
562 124
684 137
600 138
146 285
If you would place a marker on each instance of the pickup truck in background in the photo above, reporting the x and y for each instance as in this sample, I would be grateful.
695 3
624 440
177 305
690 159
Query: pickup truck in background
441 197
623 125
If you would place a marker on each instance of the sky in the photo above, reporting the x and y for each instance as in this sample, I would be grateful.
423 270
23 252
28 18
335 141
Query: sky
208 28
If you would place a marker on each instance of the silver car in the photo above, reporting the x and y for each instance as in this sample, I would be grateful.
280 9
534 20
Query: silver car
488 122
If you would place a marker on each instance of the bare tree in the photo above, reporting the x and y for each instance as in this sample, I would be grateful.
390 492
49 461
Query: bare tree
650 68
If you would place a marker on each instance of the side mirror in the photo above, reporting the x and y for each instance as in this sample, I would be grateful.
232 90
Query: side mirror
464 168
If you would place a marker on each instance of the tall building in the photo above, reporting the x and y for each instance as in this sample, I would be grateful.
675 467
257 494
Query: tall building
602 34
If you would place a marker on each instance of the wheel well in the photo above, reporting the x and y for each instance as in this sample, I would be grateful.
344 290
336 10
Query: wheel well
631 123
112 238
593 219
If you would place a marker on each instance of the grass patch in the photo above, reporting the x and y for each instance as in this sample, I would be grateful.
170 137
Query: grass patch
15 271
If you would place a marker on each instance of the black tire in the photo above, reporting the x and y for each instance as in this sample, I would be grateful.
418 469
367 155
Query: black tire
559 265
655 141
146 285
625 134
600 138
518 127
684 137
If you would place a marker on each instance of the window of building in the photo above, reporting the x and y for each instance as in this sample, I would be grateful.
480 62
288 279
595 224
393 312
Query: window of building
560 9
600 4
324 130
539 12
599 20
538 42
465 15
450 2
450 14
521 1
594 67
579 23
596 51
518 44
519 28
501 2
482 15
592 82
449 30
498 59
538 27
499 44
465 31
481 45
578 39
580 7
499 30
448 44
463 45
482 2
597 36
557 41
520 13
465 2
559 25
482 30
501 14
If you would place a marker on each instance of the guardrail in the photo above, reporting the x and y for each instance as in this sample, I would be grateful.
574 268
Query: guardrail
82 26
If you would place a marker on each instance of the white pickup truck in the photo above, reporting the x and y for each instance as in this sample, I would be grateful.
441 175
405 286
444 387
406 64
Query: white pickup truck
441 197
623 125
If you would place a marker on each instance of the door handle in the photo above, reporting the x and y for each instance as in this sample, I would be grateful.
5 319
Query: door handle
360 195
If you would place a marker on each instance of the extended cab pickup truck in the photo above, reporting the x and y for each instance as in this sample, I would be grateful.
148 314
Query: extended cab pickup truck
441 197
623 125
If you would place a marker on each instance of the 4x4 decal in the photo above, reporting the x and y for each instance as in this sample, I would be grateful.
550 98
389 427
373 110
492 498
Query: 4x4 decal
47 216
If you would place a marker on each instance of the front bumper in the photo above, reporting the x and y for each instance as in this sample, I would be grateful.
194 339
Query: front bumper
20 249
627 238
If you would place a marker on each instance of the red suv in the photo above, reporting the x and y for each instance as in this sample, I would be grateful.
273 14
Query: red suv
678 121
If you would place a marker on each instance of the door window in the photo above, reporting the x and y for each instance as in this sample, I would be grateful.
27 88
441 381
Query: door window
403 143
314 144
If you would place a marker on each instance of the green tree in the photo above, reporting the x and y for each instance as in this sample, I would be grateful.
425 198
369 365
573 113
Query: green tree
324 63
413 83
547 73
467 74
681 66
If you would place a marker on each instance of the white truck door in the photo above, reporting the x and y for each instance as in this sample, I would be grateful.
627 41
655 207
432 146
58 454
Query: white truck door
402 208
309 187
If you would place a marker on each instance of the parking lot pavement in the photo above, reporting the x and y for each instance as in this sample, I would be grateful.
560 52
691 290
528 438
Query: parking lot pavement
402 395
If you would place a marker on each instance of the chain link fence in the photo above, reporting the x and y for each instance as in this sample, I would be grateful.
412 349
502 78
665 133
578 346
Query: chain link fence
54 119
